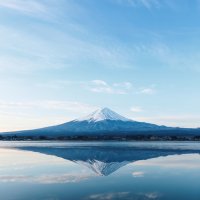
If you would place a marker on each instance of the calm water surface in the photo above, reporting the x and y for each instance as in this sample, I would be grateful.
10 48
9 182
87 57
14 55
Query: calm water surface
99 170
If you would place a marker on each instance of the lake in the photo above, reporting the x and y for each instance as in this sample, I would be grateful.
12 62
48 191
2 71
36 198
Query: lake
99 170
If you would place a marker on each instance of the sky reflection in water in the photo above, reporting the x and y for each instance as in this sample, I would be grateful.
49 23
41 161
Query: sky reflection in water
104 171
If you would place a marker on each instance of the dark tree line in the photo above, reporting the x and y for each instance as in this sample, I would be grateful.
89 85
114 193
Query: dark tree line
105 137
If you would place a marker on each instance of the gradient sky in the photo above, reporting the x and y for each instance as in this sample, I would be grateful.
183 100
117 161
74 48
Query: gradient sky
63 59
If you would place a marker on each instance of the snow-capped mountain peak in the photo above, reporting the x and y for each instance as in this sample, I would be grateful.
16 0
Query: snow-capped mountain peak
103 114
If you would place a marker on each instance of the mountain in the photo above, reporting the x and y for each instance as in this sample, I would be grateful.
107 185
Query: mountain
103 122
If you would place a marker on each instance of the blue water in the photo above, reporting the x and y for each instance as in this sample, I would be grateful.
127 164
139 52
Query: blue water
99 170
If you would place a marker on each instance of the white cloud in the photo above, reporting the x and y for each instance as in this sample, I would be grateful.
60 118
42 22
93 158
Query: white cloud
25 45
148 91
168 56
136 109
126 85
100 82
149 4
100 86
28 6
45 9
46 53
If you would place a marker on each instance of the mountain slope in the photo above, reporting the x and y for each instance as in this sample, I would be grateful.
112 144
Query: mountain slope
102 121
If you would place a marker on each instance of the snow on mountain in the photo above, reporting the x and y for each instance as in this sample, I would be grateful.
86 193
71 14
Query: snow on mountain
103 114
102 168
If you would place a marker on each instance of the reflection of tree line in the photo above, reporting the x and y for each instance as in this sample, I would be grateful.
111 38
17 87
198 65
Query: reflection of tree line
107 137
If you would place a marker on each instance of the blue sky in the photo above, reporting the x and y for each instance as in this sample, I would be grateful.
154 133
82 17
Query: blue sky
63 59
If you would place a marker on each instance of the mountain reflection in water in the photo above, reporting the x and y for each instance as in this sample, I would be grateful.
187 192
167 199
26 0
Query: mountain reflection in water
105 159
99 170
